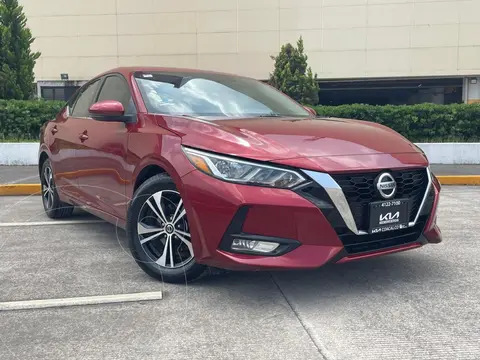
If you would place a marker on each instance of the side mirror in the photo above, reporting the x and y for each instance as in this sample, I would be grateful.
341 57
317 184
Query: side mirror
310 110
107 110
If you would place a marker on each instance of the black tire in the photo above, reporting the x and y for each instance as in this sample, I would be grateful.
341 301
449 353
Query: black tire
185 273
54 208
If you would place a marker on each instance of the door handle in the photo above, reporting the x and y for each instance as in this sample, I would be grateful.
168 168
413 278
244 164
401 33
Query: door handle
83 137
54 130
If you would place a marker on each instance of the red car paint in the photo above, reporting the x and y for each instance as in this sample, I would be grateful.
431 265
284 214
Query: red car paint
112 108
99 164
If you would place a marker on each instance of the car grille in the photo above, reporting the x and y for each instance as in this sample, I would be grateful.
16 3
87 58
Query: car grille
360 191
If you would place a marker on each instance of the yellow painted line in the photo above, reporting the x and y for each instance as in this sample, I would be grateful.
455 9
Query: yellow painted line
459 179
20 189
35 189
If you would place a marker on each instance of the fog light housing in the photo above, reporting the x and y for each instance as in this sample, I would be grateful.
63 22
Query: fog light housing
254 246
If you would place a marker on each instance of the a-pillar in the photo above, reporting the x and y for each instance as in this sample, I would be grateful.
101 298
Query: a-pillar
471 90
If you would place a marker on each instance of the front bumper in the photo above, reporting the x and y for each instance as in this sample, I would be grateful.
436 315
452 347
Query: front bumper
311 233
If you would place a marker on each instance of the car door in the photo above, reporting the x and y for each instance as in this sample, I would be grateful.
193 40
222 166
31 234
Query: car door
101 154
65 136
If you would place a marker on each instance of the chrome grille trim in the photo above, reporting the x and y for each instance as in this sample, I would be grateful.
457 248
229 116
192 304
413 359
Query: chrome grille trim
339 200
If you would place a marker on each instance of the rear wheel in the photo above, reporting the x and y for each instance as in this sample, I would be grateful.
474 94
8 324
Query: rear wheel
159 233
54 208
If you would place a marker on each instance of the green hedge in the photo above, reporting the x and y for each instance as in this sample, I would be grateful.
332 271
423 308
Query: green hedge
21 120
418 123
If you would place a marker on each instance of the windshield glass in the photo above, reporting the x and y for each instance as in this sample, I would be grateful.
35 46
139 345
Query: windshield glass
204 94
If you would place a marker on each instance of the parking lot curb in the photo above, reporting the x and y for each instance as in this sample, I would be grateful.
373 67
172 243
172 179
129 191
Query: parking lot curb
20 189
459 179
35 189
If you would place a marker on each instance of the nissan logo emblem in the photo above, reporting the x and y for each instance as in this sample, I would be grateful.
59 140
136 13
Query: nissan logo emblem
386 185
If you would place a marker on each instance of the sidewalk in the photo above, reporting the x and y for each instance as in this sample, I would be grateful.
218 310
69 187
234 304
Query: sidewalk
29 174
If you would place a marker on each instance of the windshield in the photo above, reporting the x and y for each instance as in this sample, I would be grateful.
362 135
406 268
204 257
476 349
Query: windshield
205 94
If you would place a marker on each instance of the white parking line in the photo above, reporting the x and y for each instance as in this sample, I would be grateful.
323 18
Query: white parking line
78 301
23 179
43 223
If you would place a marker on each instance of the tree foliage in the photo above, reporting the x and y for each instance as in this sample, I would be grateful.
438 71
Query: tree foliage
293 76
17 61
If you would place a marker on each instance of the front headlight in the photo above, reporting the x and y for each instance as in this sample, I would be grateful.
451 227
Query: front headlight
242 172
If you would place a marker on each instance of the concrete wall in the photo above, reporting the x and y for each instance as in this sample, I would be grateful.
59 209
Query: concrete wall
452 153
437 153
343 38
19 153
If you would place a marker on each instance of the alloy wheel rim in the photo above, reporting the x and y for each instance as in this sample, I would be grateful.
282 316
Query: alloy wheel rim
163 231
47 188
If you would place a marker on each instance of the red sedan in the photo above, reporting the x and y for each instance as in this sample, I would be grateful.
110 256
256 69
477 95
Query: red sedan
208 169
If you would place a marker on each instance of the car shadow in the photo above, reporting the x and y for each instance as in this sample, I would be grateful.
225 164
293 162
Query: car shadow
357 278
351 279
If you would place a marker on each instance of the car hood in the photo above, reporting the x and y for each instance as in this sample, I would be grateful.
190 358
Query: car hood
279 139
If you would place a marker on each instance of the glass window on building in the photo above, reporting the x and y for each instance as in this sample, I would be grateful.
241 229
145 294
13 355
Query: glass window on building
60 93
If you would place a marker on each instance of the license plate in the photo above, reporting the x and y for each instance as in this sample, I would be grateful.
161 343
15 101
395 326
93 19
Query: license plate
388 215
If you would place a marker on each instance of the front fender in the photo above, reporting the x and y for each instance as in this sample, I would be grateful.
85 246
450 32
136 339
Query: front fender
165 153
43 153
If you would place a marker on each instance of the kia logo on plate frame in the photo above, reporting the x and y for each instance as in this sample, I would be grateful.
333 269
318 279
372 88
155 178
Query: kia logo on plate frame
386 185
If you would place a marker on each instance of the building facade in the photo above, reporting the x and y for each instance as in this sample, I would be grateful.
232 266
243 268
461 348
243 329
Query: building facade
432 46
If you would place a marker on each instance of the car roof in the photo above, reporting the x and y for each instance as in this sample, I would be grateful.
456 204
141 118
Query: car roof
128 70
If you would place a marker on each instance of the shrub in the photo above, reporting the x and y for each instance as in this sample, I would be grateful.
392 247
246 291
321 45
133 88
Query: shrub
21 120
418 123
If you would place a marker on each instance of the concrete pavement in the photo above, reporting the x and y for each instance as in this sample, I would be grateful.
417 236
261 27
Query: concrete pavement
29 174
420 304
19 175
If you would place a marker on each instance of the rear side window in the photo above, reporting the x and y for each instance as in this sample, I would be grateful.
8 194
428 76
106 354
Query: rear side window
116 88
85 100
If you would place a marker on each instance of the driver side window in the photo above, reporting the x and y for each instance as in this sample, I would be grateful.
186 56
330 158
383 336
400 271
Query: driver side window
116 88
85 100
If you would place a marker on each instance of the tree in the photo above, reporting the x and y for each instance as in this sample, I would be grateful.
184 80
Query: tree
293 76
17 61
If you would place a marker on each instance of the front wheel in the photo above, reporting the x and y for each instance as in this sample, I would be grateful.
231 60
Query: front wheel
159 233
54 208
